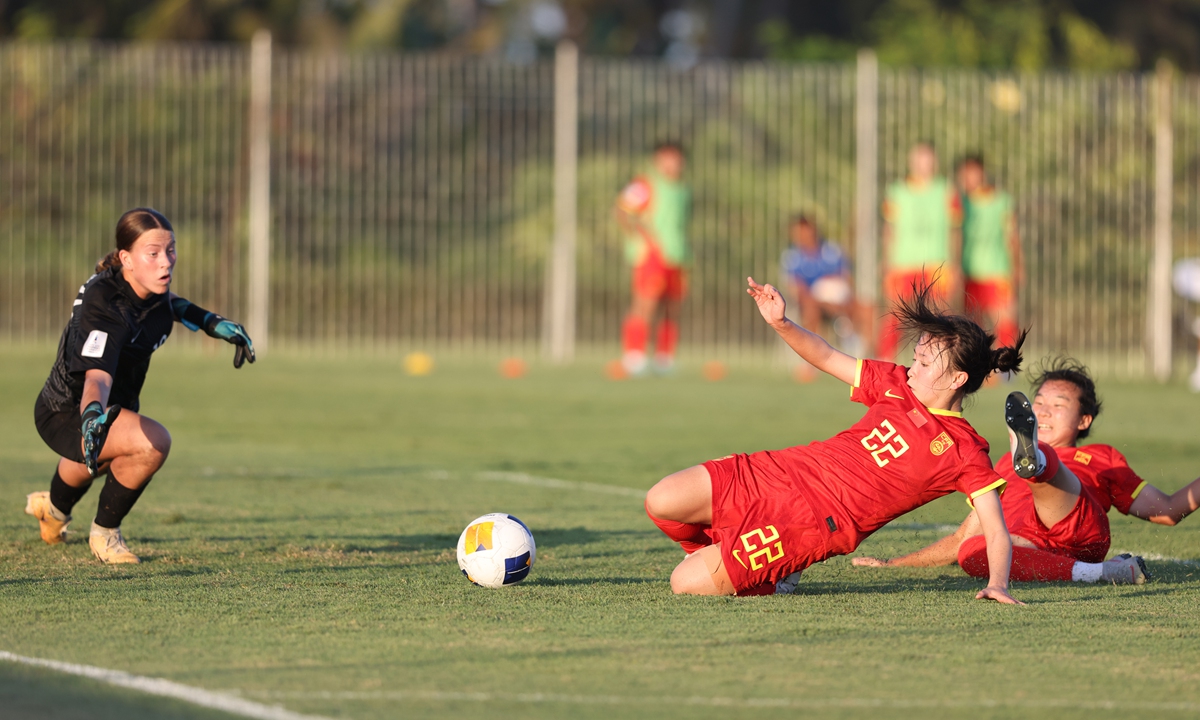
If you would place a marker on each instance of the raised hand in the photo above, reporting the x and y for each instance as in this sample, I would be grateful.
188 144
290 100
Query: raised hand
770 301
234 333
999 595
96 423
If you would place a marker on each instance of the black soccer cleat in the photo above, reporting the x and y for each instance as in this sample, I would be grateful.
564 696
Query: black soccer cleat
1022 435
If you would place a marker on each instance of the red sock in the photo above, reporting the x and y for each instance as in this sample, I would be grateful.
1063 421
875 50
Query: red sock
1028 564
668 335
1051 464
635 333
690 536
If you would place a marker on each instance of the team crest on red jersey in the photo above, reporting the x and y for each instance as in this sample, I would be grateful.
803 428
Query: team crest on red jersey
940 444
1083 458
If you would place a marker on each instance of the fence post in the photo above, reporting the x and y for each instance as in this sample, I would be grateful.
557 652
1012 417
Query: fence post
866 170
260 190
1159 307
558 343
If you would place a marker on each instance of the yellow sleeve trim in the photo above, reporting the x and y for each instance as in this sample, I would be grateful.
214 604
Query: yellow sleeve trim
998 485
1138 491
857 372
947 413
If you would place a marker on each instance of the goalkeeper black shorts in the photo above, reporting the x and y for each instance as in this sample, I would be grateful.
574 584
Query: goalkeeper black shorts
62 430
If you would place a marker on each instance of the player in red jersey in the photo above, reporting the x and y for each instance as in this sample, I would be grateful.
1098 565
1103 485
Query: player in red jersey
1059 528
751 523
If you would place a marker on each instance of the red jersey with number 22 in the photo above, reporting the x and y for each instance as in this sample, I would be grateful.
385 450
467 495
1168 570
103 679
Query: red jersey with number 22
898 457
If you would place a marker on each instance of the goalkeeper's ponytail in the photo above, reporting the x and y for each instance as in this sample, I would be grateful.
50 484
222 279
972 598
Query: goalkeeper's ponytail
130 227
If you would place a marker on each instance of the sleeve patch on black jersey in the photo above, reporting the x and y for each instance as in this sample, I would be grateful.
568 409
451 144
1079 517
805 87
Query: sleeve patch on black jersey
96 342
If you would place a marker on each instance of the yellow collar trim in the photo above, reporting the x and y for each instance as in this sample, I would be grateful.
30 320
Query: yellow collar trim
947 413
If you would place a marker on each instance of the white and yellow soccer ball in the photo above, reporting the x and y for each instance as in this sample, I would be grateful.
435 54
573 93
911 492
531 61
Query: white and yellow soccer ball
496 550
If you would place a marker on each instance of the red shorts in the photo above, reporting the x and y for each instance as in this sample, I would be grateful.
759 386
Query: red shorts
988 296
767 530
1083 534
654 279
899 283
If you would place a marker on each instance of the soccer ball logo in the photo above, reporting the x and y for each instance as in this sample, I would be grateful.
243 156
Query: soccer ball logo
496 550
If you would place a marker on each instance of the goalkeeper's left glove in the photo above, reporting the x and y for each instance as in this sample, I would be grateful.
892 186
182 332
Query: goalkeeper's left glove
231 332
96 423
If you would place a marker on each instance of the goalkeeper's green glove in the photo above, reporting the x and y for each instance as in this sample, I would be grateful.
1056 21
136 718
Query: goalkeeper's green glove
195 317
96 423
231 332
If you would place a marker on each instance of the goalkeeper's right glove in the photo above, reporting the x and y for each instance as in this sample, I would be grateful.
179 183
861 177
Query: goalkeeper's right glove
96 423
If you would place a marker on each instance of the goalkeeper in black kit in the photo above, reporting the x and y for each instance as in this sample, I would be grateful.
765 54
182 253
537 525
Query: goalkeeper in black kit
88 410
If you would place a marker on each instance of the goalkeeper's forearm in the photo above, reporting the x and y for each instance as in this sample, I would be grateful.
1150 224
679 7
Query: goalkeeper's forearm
191 315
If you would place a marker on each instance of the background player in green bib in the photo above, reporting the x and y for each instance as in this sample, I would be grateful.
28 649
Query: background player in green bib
921 240
991 251
654 210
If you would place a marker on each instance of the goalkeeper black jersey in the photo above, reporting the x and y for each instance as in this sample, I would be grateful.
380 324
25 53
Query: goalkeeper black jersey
113 330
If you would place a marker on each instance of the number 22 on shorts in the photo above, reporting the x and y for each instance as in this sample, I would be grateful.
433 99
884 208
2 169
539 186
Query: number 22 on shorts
758 544
878 442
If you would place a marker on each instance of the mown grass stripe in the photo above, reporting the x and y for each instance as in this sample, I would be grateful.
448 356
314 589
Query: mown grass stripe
806 702
165 688
524 479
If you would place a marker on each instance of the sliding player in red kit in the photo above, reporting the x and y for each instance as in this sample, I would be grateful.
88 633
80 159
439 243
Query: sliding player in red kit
752 523
1059 518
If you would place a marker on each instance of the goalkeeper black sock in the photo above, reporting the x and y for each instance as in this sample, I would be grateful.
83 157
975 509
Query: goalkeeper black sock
116 501
63 497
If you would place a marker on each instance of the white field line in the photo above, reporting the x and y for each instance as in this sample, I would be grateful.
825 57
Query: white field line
165 688
524 479
1156 557
806 702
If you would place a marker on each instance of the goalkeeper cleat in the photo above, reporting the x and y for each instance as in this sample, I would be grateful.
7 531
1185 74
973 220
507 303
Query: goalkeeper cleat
109 546
788 585
1124 569
52 522
1022 436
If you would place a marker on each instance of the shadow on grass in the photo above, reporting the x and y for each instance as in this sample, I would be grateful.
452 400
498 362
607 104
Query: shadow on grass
576 582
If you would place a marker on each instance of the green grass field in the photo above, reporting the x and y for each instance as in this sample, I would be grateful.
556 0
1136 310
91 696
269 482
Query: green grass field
298 551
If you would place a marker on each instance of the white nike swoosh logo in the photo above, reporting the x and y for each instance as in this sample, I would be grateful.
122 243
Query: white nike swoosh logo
888 392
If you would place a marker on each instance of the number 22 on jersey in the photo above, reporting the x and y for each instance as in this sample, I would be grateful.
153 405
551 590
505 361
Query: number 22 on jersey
885 439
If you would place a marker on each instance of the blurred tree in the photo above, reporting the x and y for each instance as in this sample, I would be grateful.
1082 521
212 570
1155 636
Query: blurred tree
1000 34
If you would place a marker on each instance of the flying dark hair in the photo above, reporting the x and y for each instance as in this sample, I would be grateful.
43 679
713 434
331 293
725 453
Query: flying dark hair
130 227
968 346
1072 371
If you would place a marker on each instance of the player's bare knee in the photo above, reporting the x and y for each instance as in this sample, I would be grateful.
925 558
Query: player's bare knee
658 500
156 442
684 579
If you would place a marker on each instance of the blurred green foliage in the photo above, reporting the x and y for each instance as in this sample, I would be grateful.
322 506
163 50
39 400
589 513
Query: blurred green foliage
1025 35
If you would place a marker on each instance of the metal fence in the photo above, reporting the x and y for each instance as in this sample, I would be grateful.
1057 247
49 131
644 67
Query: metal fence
412 197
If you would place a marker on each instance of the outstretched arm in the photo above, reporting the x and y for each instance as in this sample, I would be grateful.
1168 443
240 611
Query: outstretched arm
941 553
808 345
999 548
1158 507
196 318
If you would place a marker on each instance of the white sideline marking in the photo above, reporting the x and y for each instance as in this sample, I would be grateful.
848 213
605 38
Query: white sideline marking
1158 557
524 479
166 688
804 702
